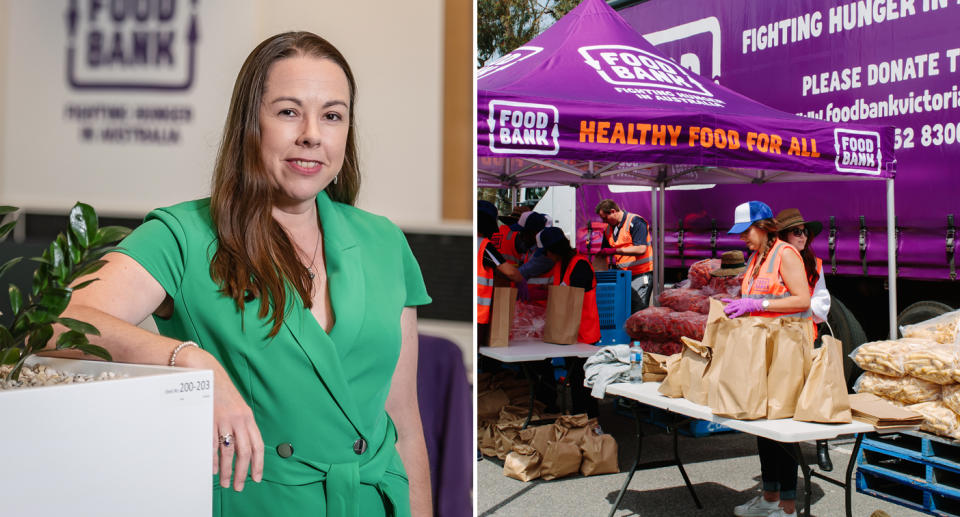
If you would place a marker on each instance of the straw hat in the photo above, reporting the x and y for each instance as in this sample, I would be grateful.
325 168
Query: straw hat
731 264
790 217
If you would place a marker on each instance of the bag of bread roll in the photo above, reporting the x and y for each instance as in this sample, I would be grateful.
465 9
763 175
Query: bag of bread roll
938 419
908 390
883 357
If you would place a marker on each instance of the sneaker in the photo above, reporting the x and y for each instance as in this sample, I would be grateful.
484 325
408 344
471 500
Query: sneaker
757 507
781 513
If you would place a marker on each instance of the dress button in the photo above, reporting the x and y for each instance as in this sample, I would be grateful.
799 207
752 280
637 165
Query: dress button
360 446
285 450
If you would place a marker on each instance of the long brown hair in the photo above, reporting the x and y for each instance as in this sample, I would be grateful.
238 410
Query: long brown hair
770 227
809 259
255 257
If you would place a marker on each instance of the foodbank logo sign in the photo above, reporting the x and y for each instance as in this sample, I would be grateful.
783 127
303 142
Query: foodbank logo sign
131 44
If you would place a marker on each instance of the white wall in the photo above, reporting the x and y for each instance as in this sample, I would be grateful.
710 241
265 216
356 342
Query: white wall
394 48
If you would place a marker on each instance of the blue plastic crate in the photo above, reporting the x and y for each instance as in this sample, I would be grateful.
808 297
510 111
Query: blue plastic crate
613 305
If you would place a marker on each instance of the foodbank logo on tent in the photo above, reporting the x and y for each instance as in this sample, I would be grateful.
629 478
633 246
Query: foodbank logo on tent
857 151
508 60
522 127
623 65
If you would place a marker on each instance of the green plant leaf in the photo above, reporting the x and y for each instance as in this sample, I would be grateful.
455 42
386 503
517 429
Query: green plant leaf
55 253
79 326
39 316
41 260
81 285
109 235
98 351
38 338
6 339
55 299
71 339
40 280
87 269
7 209
83 223
62 267
9 264
10 356
74 251
16 299
5 229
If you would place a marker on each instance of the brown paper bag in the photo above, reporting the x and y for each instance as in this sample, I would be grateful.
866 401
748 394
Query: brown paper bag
654 363
792 344
522 463
740 390
599 453
505 434
538 436
513 413
824 397
562 323
501 315
490 402
486 437
573 427
694 359
714 319
672 385
654 377
562 458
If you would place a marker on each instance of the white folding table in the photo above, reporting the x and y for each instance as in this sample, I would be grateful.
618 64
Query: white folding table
788 432
526 350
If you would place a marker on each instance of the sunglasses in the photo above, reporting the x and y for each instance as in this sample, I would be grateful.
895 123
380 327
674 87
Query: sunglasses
797 232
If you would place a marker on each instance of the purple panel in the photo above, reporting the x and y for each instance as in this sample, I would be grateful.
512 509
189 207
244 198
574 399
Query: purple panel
591 88
732 41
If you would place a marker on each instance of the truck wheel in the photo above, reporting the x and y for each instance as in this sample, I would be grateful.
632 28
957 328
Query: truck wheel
921 311
847 329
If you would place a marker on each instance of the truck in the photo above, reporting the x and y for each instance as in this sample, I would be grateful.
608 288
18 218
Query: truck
875 61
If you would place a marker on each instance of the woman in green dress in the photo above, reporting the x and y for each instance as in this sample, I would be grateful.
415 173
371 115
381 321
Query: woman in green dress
302 305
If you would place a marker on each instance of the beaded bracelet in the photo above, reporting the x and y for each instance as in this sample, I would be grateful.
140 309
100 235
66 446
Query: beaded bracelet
173 356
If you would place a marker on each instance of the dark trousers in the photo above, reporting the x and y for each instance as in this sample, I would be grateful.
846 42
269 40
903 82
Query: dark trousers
778 470
640 288
580 397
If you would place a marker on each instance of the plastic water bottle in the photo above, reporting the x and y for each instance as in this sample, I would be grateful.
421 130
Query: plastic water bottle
636 362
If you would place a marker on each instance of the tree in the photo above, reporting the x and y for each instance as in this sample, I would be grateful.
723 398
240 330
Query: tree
503 25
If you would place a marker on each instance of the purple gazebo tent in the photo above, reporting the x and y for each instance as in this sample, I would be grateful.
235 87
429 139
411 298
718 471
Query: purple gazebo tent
590 101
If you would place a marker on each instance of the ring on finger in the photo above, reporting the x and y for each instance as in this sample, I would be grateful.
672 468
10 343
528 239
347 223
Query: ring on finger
226 440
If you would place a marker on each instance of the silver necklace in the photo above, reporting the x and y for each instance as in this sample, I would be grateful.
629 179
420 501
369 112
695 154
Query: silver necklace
316 247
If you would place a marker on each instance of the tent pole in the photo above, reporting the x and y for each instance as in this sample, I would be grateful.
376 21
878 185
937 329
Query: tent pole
661 254
654 239
891 259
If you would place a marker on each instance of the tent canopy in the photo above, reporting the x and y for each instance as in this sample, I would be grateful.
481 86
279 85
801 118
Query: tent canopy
591 89
591 101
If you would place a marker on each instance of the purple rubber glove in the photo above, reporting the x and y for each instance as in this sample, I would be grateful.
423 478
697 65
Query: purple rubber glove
737 308
523 292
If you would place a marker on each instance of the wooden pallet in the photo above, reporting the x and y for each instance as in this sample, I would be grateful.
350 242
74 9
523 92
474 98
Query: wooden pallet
916 470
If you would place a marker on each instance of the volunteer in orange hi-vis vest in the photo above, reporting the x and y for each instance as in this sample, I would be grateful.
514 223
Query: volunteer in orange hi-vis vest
489 263
629 236
774 285
574 270
795 230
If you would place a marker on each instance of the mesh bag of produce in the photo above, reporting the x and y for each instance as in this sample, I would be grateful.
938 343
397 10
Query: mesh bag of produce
699 272
685 300
688 323
650 323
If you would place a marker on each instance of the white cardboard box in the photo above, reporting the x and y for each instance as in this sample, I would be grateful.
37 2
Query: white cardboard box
140 445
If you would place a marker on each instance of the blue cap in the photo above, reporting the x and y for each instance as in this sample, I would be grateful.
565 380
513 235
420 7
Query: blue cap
486 207
749 213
